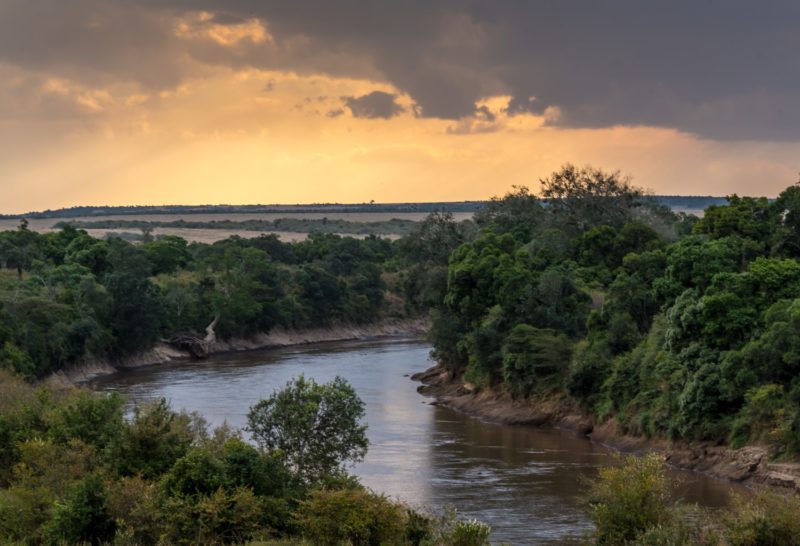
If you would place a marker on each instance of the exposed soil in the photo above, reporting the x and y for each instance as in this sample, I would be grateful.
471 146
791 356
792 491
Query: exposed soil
163 353
749 465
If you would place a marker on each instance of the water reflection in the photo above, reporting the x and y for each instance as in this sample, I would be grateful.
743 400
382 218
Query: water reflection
526 483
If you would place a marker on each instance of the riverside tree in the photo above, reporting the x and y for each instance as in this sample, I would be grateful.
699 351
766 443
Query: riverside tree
316 427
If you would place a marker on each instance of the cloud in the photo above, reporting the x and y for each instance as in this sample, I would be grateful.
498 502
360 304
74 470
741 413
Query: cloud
721 69
375 105
223 30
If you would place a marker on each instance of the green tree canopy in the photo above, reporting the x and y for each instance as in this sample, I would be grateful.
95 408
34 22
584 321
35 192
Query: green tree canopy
317 427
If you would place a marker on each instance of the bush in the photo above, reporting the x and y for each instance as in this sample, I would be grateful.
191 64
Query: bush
689 526
152 443
83 516
197 473
628 499
763 419
766 519
468 532
352 516
134 505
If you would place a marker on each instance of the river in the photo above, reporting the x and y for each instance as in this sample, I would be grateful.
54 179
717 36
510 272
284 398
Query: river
524 482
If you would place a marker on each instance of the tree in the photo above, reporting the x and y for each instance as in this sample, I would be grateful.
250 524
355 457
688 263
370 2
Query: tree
167 254
433 239
532 355
746 217
518 212
589 197
135 314
82 517
317 427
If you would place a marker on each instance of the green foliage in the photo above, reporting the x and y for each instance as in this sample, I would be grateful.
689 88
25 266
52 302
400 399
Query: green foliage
746 217
352 516
628 499
316 427
82 516
66 297
425 252
16 360
155 439
766 418
75 472
590 366
197 473
94 420
460 532
531 357
765 519
222 517
518 213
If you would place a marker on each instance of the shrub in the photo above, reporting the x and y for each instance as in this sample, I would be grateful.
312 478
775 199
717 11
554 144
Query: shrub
83 516
766 519
763 417
355 516
628 499
466 532
152 443
134 505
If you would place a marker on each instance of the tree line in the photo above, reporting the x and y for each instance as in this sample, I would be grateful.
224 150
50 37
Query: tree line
590 293
394 226
675 326
66 297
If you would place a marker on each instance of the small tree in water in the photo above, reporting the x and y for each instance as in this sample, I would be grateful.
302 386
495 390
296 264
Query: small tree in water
316 427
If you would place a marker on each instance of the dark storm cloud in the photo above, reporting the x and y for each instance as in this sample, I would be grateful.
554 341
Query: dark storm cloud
374 105
724 69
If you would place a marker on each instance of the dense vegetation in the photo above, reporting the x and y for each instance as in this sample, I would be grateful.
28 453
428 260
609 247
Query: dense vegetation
636 504
674 326
66 297
74 471
592 293
395 226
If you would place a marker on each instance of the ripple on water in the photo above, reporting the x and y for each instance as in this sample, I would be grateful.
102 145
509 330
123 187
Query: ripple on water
525 483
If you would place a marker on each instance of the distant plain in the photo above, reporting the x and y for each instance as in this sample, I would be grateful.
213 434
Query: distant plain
44 225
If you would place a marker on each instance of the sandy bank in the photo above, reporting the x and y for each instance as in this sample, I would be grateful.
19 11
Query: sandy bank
749 465
280 337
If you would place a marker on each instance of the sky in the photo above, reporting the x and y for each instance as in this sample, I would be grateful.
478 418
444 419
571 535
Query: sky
289 101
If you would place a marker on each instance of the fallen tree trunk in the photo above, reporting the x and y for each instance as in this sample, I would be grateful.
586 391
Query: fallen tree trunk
191 342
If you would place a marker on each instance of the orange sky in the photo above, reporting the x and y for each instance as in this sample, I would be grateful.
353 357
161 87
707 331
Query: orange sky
240 134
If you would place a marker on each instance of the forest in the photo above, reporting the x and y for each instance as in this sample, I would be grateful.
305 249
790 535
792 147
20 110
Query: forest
677 327
590 293
67 297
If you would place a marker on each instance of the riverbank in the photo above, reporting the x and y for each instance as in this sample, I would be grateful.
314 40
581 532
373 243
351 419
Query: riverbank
163 353
749 465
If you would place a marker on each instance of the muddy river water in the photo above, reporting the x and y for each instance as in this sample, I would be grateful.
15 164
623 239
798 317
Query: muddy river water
526 483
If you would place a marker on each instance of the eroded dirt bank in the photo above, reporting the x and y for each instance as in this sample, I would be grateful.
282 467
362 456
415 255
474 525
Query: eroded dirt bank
749 465
163 353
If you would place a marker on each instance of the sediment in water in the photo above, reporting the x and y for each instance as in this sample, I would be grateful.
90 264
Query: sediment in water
748 465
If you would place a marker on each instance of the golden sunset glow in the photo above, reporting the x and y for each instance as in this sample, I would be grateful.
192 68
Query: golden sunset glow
222 130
